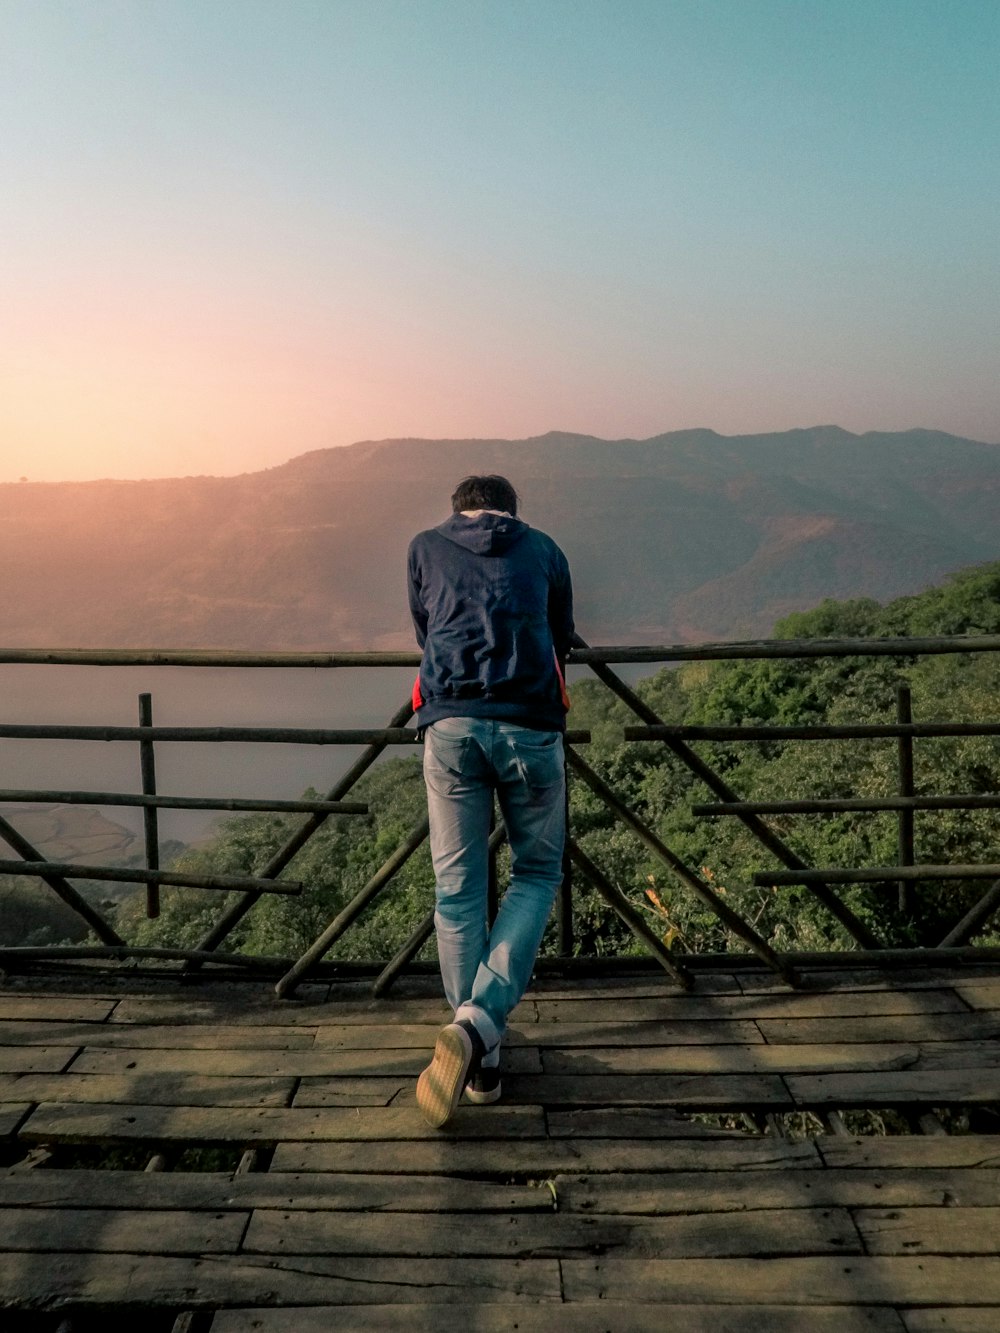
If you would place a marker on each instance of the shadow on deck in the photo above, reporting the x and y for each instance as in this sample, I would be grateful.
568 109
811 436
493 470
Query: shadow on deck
739 1158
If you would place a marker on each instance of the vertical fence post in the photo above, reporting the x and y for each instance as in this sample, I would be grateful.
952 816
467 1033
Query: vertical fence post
150 821
904 714
492 883
564 901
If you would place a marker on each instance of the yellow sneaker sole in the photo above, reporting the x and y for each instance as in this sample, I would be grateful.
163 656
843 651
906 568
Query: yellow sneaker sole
440 1086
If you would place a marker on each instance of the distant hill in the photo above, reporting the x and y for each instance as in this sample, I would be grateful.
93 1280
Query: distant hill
685 536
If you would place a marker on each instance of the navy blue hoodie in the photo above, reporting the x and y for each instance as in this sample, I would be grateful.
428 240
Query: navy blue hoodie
492 605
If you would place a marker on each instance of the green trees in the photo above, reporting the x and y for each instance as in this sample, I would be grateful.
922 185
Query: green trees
31 915
336 862
831 690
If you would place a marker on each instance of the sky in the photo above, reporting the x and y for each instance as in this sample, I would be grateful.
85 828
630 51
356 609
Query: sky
232 231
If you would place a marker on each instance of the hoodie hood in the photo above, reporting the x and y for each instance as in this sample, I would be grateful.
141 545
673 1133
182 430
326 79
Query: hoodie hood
486 534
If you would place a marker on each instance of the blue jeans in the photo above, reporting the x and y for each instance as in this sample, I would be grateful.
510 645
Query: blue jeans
486 971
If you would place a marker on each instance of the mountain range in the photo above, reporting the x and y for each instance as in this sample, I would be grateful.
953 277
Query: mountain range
689 535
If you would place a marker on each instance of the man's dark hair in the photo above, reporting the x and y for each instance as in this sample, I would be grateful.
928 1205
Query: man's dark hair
491 492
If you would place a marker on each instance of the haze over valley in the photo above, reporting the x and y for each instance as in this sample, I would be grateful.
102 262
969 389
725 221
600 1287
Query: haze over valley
686 536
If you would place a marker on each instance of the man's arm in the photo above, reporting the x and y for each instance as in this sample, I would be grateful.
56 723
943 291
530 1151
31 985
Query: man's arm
561 608
414 585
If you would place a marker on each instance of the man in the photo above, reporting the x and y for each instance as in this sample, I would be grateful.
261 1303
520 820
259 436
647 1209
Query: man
492 605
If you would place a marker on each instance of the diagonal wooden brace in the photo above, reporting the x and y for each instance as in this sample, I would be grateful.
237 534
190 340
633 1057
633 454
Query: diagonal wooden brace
974 920
730 919
619 904
59 885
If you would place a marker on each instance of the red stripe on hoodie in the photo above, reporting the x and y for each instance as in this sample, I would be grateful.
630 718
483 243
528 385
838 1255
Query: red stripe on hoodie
563 693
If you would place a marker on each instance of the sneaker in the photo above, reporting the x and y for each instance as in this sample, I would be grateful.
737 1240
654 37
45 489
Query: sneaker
484 1087
457 1052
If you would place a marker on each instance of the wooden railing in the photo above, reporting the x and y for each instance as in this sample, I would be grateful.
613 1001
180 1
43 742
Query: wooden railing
678 741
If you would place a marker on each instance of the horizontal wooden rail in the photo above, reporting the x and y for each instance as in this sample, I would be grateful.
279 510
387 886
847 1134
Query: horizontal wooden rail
30 796
89 952
873 874
218 735
684 652
199 657
846 805
847 732
780 648
138 875
214 735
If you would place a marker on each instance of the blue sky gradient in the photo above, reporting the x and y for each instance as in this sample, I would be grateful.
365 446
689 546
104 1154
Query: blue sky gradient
234 230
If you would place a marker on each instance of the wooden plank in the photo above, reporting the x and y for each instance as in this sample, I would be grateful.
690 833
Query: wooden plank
701 1091
34 1059
223 1191
94 986
984 993
918 1151
110 1231
378 1036
137 1281
547 1157
930 1230
891 1028
549 1034
790 1059
11 1117
583 1317
794 1004
695 1090
693 1033
935 1087
975 974
66 1008
151 1090
651 985
660 1194
107 1034
922 976
234 992
946 1055
534 1235
978 1319
359 1036
266 1010
269 1011
359 1092
65 1123
304 1063
819 1280
631 1122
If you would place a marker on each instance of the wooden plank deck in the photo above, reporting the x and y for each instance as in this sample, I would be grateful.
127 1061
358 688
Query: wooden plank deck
658 1160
